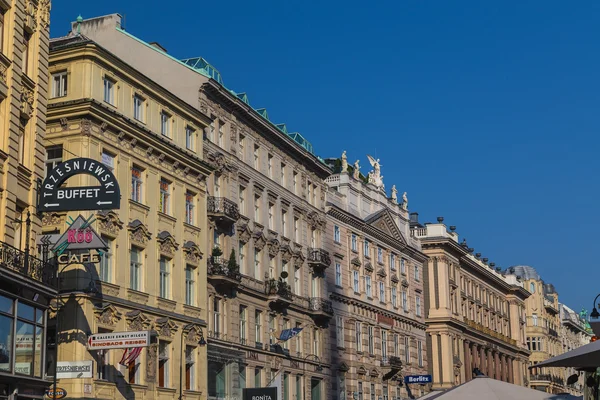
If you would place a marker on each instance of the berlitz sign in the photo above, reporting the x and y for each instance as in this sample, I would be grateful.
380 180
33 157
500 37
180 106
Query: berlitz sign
417 379
53 197
118 340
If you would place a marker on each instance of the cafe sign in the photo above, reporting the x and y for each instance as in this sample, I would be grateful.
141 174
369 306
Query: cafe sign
53 196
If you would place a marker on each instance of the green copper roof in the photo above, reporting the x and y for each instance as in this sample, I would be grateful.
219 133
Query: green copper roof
243 97
298 138
263 113
200 63
282 128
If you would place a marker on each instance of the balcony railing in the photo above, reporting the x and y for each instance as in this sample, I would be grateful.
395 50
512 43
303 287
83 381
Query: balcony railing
26 265
279 288
217 268
541 377
222 207
320 304
319 257
391 362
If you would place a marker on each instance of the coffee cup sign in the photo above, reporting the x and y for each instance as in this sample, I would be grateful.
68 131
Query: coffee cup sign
52 196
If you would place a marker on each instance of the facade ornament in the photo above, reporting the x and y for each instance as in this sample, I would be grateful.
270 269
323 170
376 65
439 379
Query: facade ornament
167 243
165 327
299 259
109 221
137 321
64 123
86 127
405 201
286 253
133 142
138 232
344 162
356 172
27 103
152 356
244 233
103 126
107 314
375 176
193 336
192 252
394 194
3 72
259 240
273 248
121 136
52 218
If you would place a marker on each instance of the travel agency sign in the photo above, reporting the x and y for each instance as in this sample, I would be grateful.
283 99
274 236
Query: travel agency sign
105 196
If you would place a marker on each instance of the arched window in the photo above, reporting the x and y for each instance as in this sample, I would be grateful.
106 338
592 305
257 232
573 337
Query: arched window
532 287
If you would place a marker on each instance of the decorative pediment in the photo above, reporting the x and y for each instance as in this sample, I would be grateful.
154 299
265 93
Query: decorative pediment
404 283
244 233
286 253
343 367
193 335
192 252
362 370
109 222
166 243
384 221
273 248
315 220
374 373
220 163
165 327
259 240
138 232
369 267
394 278
137 321
356 262
381 272
107 314
53 218
299 259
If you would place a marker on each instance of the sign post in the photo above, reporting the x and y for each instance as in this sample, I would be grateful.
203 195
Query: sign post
53 197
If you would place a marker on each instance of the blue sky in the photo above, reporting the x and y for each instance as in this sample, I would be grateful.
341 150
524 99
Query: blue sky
486 113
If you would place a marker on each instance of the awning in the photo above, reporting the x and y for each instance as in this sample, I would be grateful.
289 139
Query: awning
587 356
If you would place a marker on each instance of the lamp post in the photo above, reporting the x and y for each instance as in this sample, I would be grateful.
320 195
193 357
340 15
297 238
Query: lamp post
319 369
595 313
201 342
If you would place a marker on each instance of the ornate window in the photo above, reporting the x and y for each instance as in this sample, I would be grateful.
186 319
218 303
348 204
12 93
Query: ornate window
136 184
189 208
164 196
135 269
190 285
165 278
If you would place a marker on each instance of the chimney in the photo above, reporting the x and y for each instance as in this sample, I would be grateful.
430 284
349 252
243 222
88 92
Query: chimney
414 218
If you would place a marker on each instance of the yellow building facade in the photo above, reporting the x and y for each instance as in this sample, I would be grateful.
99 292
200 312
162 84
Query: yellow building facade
475 314
153 276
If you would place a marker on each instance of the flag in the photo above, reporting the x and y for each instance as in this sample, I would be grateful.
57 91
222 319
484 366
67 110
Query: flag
130 355
287 334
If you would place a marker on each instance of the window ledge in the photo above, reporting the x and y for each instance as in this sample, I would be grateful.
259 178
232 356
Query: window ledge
167 216
139 205
166 389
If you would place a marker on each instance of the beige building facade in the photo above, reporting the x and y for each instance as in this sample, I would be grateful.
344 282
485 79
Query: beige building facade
153 276
575 331
27 284
476 315
265 226
543 329
376 285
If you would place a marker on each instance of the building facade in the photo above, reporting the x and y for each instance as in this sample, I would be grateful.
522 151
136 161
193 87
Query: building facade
153 276
575 331
542 330
27 286
265 226
476 315
376 286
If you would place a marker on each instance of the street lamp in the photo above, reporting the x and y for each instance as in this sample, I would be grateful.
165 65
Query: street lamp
201 342
319 368
595 313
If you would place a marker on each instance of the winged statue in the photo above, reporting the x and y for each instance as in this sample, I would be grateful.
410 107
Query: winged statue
375 176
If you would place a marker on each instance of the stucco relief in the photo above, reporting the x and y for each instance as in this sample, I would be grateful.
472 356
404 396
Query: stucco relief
3 72
166 243
152 356
110 222
107 314
259 240
165 327
138 232
137 321
52 218
192 252
273 248
27 97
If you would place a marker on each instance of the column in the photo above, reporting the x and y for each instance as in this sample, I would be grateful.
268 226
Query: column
511 377
482 364
468 366
497 372
504 376
474 356
490 365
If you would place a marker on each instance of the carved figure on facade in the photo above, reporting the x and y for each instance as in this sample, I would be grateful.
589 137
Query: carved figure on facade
107 314
192 336
192 252
273 248
315 220
405 201
286 253
394 194
244 233
27 98
138 232
53 218
259 240
375 176
344 162
109 221
3 72
152 356
137 321
356 172
166 243
299 259
86 127
220 163
165 327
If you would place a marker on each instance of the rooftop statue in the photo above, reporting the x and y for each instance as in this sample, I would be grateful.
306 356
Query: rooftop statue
394 194
583 314
356 173
405 201
375 176
344 162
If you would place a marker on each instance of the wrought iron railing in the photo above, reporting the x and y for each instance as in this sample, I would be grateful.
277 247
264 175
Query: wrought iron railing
279 288
319 256
26 265
222 205
320 304
216 267
541 377
392 361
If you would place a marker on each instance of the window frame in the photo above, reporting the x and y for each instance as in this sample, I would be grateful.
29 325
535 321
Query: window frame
138 107
63 78
109 90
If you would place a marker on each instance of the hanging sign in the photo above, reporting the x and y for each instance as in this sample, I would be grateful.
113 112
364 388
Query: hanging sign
60 393
79 236
417 379
53 197
74 369
118 340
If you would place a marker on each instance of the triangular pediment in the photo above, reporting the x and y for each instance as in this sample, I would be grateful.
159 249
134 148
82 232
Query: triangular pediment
384 221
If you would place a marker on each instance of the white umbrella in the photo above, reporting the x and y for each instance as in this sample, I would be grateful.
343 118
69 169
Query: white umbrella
586 356
485 388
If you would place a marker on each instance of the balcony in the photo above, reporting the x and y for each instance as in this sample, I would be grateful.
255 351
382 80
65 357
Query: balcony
318 258
279 294
223 211
321 309
553 332
549 305
224 279
26 265
391 362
